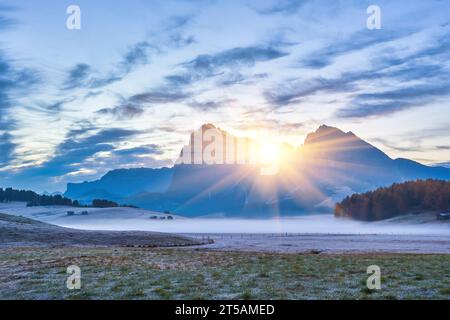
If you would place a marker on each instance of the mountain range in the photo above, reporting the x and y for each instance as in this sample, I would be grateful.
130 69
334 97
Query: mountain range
330 165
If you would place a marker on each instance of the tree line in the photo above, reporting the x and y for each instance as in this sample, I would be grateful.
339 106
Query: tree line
400 198
33 199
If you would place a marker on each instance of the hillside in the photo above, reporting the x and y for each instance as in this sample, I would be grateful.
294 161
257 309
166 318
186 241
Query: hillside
397 200
20 231
119 184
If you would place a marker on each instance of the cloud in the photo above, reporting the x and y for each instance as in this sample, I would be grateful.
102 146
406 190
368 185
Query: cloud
13 84
5 21
172 34
77 158
241 56
210 104
202 67
287 7
210 65
7 148
386 102
177 22
442 164
77 76
234 78
135 105
158 96
127 111
13 80
138 54
77 148
355 42
415 81
296 91
83 75
145 150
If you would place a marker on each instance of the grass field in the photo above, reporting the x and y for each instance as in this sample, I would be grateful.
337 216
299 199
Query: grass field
174 273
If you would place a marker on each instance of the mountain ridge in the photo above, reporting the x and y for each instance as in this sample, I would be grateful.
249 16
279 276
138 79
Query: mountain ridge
330 165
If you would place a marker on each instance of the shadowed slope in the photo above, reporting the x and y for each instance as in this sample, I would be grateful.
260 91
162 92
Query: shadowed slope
23 231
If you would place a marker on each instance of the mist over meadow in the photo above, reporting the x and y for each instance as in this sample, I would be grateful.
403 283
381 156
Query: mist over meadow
313 224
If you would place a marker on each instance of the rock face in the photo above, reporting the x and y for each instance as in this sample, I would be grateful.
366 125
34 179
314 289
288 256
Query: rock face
330 165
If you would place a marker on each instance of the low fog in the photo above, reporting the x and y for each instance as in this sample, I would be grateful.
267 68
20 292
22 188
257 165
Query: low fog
317 224
128 219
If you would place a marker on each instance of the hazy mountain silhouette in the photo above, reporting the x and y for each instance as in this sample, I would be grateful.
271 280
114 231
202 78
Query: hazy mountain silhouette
120 184
330 165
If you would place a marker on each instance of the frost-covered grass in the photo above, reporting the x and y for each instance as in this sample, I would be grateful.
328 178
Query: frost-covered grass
138 273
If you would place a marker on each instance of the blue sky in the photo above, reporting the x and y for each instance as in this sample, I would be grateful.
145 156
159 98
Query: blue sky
126 89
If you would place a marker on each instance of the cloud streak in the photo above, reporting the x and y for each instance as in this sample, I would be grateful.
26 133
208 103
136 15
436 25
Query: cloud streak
414 81
210 65
77 148
7 148
13 82
358 41
286 7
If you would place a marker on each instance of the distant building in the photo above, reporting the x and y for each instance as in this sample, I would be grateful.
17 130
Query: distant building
443 216
70 213
84 213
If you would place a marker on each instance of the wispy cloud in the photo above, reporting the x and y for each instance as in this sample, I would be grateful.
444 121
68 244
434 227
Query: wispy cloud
208 105
145 150
288 7
6 149
5 20
124 111
136 55
360 40
13 83
77 76
295 91
77 148
136 105
84 76
210 65
386 102
175 87
413 81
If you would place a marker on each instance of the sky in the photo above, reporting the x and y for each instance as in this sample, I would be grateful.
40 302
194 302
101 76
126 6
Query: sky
127 88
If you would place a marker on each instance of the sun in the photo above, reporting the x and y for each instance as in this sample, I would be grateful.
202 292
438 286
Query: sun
269 156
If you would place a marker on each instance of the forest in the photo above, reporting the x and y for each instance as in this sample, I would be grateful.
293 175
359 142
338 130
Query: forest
33 199
410 197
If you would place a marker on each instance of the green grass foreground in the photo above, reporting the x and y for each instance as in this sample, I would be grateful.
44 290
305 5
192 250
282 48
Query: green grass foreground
124 273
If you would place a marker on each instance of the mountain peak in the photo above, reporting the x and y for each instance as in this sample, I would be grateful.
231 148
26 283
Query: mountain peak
207 126
324 133
325 129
